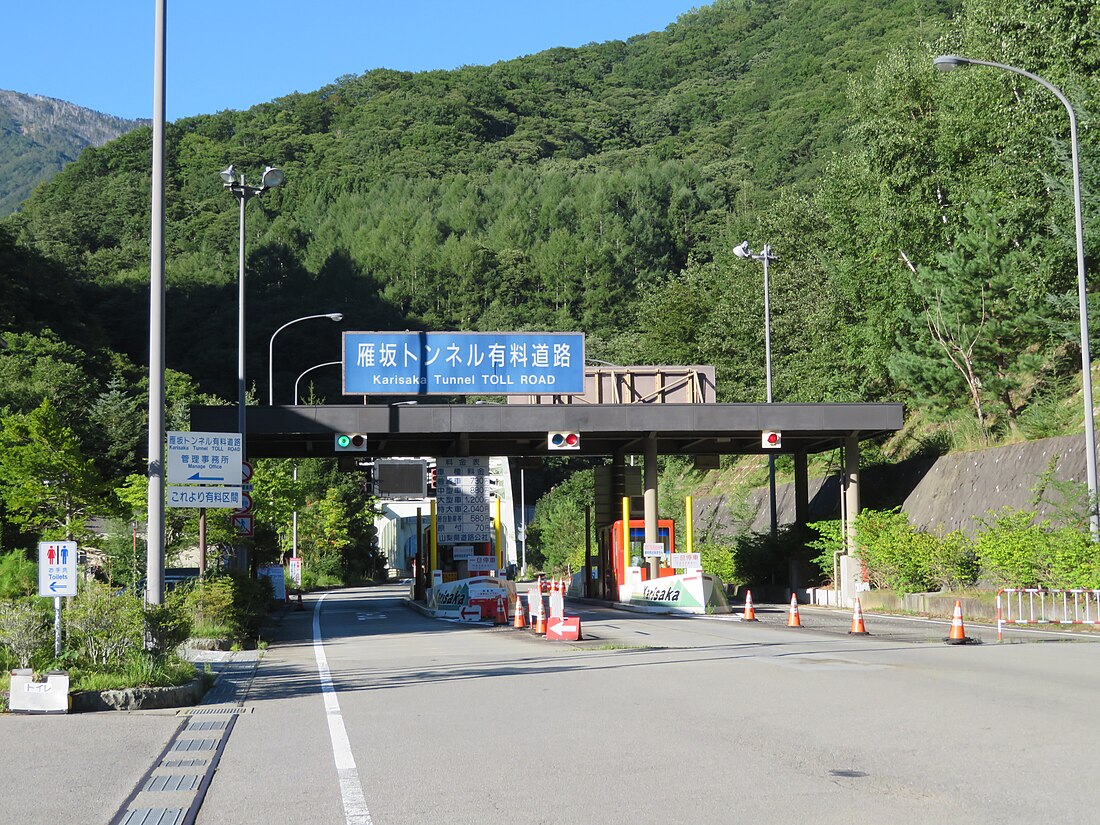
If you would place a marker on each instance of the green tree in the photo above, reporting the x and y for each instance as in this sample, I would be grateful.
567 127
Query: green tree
46 483
980 328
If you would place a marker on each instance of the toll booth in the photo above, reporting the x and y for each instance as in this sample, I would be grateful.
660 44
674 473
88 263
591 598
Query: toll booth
611 551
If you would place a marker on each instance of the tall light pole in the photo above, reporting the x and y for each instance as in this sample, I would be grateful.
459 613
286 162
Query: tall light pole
311 369
332 316
244 193
154 527
742 251
946 63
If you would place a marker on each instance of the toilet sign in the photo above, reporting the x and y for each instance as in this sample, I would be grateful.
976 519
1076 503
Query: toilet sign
57 568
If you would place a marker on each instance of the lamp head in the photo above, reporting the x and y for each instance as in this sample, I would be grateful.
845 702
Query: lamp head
742 250
272 177
335 316
947 62
229 175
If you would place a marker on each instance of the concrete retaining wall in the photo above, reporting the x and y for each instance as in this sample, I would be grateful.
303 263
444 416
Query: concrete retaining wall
938 494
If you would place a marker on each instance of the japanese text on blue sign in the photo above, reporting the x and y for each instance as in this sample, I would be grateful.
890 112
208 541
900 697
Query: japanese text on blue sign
499 363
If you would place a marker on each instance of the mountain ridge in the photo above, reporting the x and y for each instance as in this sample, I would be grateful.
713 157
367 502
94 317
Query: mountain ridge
40 135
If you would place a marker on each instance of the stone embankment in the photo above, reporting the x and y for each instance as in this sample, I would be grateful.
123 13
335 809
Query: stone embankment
938 494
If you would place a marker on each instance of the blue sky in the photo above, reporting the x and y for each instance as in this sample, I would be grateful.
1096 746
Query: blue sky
234 54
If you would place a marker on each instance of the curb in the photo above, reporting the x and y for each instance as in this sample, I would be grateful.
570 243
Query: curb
151 698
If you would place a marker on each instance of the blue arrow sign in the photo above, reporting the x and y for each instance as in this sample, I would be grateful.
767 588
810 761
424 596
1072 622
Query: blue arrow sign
53 587
199 477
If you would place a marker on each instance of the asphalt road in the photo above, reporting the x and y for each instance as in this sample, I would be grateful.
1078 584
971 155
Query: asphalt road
650 720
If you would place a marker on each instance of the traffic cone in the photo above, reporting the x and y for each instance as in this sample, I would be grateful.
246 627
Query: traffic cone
958 632
540 618
519 620
750 612
792 619
857 622
501 617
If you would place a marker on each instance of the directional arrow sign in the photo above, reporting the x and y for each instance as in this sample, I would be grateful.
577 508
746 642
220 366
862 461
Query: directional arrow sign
204 458
564 630
470 614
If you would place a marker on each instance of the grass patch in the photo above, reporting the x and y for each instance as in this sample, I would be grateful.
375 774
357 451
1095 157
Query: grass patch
212 630
619 646
140 671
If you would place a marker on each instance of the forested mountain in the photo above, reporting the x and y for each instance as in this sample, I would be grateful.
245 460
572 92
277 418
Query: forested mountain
40 135
915 216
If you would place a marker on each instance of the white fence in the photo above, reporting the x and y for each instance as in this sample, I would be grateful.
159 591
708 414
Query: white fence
1033 605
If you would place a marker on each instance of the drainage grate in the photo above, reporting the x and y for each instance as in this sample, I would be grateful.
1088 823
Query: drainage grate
212 709
195 745
208 724
154 816
182 782
184 763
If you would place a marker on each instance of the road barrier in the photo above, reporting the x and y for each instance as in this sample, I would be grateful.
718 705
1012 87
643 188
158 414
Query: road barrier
1034 605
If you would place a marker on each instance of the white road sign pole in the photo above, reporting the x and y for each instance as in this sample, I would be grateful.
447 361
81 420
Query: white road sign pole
56 578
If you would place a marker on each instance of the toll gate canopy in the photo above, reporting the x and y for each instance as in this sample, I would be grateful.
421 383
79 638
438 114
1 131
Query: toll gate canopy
519 430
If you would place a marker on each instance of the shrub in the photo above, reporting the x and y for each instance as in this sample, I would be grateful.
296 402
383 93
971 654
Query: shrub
228 606
952 563
24 629
168 625
719 560
210 603
830 540
103 628
892 550
899 556
1011 548
18 575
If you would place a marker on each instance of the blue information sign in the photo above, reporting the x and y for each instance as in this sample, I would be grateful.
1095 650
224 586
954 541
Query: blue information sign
460 363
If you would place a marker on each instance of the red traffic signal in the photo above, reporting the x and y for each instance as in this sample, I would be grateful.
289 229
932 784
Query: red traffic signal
563 441
771 440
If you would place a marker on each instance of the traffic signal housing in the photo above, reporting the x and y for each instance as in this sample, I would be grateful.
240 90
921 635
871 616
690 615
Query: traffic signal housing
350 443
771 440
563 440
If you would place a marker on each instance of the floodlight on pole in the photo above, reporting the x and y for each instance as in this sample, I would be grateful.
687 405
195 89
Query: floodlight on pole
742 250
244 193
332 316
948 62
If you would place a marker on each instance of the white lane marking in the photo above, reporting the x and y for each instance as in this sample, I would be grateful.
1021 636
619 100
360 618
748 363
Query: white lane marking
351 789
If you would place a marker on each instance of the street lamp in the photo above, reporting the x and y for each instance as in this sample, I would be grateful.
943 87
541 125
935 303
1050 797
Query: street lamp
742 251
311 369
332 316
946 63
244 193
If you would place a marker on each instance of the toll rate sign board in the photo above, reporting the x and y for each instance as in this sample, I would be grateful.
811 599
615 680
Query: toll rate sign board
57 568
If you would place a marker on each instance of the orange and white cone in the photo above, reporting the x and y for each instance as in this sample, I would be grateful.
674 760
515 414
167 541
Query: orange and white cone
540 618
501 617
858 628
958 631
519 621
750 612
792 619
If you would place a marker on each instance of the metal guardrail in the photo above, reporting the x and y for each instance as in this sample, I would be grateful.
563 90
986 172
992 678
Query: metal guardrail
1035 605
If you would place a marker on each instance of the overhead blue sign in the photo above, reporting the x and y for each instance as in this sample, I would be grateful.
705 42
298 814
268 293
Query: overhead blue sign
459 363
